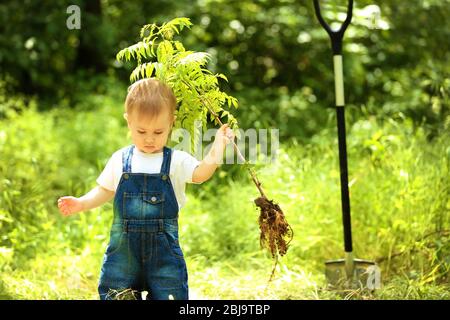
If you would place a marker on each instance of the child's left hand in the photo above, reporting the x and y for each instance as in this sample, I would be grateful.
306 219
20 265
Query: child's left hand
224 135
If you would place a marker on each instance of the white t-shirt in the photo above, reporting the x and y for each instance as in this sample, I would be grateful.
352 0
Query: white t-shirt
181 169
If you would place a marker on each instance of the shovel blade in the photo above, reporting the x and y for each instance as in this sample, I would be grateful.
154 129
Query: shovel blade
366 274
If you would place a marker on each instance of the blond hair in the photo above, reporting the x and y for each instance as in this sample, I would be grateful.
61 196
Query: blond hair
150 97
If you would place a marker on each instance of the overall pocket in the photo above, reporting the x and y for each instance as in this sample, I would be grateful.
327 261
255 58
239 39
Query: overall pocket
152 204
115 242
171 243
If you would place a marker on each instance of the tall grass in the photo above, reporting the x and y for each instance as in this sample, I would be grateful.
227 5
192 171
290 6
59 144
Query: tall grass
399 196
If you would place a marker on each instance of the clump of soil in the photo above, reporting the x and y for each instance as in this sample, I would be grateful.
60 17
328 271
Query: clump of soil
276 233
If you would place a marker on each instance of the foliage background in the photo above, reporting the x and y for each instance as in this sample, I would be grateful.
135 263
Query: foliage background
56 83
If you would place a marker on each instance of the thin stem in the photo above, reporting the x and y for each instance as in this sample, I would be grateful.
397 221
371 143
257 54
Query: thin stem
206 103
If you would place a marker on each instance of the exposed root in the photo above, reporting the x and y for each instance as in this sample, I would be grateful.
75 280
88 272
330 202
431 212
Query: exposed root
276 233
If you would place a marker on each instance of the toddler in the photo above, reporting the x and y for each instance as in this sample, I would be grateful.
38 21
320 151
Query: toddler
147 181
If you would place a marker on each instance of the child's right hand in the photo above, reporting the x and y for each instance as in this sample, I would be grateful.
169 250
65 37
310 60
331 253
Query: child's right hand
69 205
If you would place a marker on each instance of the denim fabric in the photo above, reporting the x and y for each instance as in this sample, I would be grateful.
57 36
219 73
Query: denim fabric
143 253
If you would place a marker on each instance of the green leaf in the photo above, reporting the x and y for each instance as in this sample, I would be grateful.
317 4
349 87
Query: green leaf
153 49
150 28
199 58
142 71
149 70
179 46
234 101
148 51
142 51
120 55
220 75
135 74
164 51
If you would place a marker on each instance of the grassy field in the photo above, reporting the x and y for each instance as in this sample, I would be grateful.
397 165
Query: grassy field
400 197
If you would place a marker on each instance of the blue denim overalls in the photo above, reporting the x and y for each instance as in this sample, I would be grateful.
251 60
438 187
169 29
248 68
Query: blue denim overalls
143 253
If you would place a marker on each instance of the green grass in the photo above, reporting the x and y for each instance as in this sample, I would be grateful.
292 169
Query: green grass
399 196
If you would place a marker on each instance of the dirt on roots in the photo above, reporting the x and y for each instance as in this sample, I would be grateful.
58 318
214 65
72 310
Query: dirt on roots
276 233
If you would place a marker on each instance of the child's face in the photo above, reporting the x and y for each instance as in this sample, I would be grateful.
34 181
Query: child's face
149 134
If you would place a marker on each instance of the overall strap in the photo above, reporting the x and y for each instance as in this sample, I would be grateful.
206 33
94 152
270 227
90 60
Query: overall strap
127 155
167 156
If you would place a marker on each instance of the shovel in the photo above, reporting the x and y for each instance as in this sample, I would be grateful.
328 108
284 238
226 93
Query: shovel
348 272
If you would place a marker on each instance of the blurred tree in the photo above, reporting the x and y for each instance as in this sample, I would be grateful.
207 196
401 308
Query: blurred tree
277 56
34 46
45 58
92 42
395 59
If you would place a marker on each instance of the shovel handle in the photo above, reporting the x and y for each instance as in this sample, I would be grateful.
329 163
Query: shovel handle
335 36
336 44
